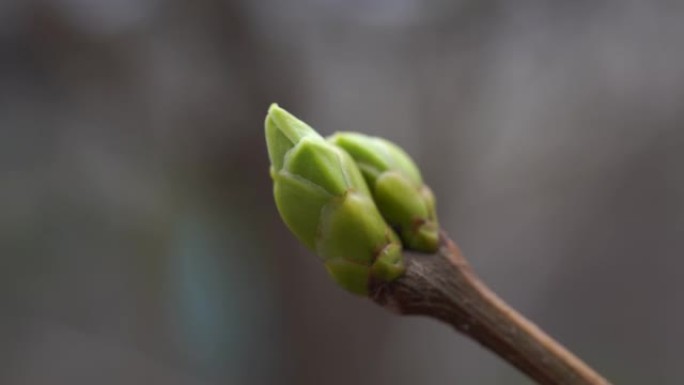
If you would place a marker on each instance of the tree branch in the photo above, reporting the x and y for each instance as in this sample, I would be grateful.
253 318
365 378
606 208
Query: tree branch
444 286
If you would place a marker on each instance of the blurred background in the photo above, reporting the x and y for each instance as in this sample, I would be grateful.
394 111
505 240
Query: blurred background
139 241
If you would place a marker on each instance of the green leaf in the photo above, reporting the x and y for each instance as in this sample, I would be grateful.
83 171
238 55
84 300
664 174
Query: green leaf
352 228
300 203
389 265
351 276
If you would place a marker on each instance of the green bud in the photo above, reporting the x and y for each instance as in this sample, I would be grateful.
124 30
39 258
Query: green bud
323 199
405 202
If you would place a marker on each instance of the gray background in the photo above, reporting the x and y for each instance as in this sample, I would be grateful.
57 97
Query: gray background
139 242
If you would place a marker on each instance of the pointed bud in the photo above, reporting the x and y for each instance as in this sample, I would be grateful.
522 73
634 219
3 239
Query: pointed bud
405 202
324 200
283 131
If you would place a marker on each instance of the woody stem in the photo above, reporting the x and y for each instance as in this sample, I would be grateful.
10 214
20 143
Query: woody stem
444 286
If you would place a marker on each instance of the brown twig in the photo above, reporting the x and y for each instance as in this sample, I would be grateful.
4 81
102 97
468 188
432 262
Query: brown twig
444 286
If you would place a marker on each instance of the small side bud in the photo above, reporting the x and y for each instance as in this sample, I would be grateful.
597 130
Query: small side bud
405 202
